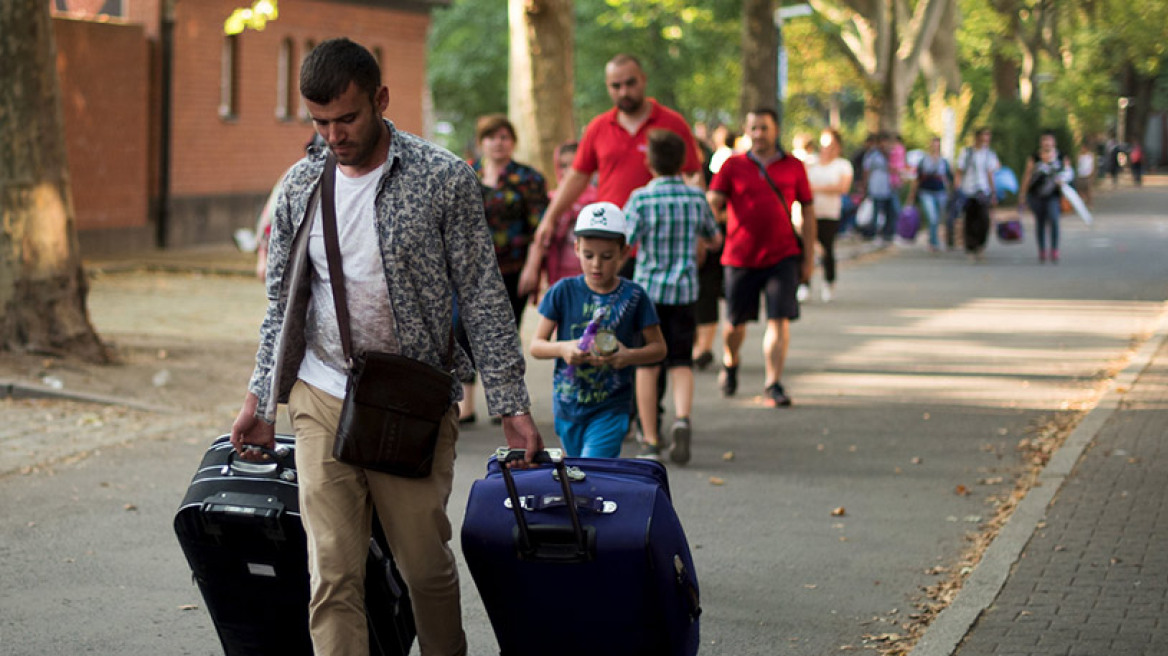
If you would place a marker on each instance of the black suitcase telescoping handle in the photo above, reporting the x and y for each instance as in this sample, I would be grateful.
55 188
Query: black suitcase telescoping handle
547 542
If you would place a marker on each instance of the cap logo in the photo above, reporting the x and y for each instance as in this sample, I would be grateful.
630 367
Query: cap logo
599 217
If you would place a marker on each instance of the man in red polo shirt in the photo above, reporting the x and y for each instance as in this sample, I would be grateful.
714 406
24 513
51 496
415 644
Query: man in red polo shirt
762 254
615 147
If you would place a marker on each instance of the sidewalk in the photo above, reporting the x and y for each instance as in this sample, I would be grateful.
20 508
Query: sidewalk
1083 570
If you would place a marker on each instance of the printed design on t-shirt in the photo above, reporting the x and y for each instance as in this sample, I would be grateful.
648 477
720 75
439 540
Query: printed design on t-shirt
591 385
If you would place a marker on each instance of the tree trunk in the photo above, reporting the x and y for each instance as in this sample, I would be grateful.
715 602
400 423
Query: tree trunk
760 67
42 286
1006 76
886 40
541 80
940 67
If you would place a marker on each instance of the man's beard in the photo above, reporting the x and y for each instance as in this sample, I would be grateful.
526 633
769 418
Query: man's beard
630 105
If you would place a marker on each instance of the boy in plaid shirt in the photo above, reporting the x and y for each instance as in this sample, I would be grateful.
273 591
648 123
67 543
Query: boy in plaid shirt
673 223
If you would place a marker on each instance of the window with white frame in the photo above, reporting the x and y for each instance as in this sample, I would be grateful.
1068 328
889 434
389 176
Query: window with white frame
229 78
285 82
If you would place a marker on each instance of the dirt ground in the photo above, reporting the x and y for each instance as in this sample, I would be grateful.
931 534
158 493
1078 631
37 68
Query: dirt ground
184 342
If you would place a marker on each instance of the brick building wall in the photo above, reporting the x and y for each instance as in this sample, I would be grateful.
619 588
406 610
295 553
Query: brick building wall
223 167
104 92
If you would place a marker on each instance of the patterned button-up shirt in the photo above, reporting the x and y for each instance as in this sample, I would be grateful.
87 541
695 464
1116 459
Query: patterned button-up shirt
434 242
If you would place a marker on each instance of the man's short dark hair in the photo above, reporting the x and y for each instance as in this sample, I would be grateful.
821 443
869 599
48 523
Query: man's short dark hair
666 152
766 111
328 70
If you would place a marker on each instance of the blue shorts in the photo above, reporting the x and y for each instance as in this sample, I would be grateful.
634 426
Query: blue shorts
598 437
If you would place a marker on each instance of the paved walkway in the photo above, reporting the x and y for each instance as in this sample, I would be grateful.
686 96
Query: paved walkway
1088 573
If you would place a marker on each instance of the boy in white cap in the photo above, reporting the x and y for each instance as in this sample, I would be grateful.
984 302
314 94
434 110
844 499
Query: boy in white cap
596 316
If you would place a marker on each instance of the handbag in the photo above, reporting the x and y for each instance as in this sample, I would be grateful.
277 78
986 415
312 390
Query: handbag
782 202
1009 231
394 405
865 213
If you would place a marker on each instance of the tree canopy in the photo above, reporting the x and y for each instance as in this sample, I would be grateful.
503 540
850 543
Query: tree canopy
1063 64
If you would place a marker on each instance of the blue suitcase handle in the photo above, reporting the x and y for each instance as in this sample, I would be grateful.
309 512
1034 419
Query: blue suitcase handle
548 542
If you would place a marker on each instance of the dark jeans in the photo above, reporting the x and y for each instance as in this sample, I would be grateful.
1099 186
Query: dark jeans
977 224
1046 217
883 219
825 231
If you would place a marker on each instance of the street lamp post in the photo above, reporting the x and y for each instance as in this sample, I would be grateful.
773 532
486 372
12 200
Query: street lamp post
782 14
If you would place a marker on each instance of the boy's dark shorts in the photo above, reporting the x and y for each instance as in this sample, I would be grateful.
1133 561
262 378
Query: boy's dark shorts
779 283
678 326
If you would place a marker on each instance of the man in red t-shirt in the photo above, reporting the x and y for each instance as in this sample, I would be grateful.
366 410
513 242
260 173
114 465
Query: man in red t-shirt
615 148
762 253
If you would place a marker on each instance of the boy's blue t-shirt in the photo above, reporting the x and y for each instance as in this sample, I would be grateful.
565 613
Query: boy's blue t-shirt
570 303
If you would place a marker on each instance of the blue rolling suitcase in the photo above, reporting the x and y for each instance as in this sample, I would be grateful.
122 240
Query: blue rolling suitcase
592 545
239 526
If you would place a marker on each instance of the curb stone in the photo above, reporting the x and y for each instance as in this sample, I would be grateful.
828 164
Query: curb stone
945 634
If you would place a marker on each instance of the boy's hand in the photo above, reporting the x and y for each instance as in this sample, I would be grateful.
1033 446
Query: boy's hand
570 352
618 359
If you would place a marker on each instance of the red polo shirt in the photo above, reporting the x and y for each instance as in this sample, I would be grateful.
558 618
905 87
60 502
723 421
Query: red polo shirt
759 232
621 159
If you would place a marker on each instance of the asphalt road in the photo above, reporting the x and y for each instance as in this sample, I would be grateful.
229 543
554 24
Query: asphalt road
917 382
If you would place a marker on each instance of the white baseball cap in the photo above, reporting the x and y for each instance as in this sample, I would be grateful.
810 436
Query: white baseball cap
601 220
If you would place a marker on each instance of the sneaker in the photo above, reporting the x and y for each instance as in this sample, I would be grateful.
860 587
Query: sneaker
729 380
775 396
1054 256
704 360
680 432
803 293
825 294
649 452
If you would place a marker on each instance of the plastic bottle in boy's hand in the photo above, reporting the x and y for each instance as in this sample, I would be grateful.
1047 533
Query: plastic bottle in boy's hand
585 343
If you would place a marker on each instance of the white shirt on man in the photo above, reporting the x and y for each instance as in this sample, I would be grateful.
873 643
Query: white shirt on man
371 321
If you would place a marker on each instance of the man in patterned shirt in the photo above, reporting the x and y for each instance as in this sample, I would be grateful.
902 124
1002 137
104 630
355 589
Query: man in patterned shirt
411 228
671 221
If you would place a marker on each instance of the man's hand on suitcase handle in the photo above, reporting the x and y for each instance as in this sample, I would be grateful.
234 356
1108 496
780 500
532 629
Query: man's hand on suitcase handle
250 430
521 432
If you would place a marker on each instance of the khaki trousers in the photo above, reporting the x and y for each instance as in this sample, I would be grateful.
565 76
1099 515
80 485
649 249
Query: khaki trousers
336 505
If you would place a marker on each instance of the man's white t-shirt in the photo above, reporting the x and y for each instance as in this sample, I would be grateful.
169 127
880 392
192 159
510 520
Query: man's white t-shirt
371 322
978 165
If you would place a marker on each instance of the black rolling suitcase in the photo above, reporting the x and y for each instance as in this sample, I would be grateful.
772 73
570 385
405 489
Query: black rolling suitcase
239 526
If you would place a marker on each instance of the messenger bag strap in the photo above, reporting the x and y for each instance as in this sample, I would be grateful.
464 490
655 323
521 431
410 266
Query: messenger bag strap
332 250
782 199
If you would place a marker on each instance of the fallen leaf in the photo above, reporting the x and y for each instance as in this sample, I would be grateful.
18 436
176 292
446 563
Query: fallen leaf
917 461
925 416
993 480
714 480
839 512
961 490
130 507
728 456
810 586
188 607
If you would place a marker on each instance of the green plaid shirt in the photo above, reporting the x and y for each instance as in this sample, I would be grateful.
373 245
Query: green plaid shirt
666 217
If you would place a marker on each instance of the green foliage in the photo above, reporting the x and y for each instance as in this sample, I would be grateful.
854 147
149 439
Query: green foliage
690 52
467 66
